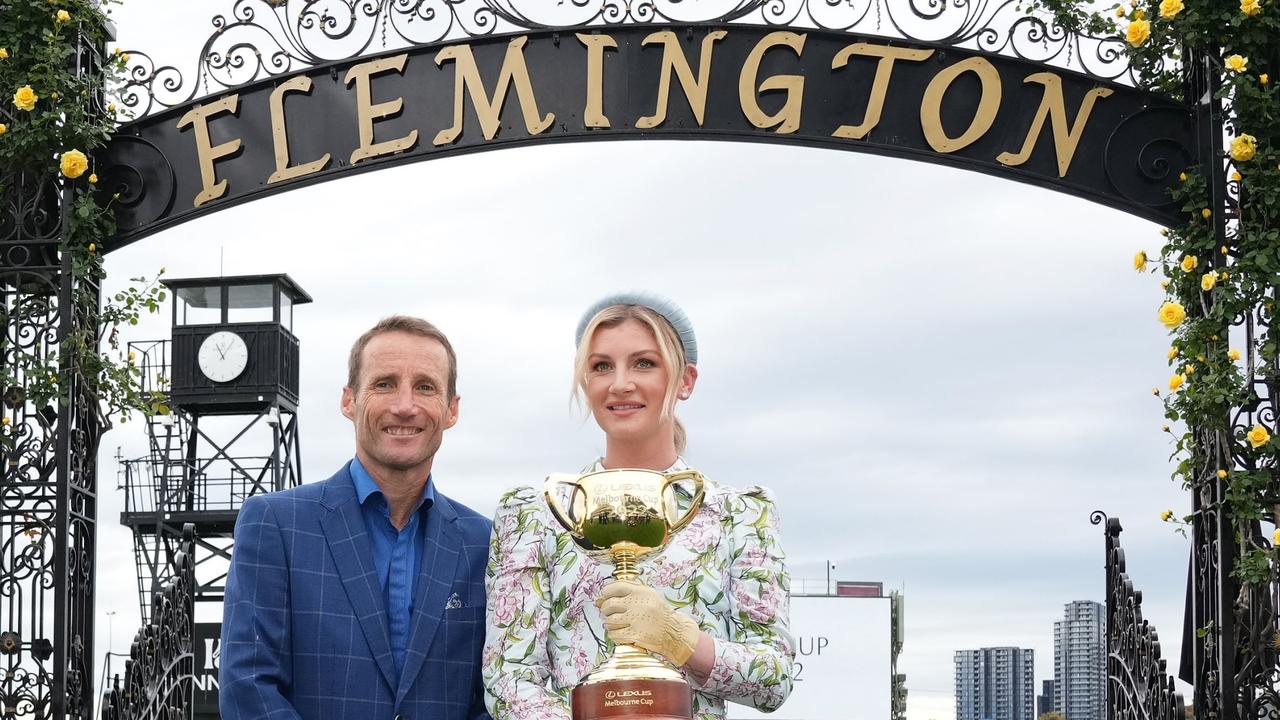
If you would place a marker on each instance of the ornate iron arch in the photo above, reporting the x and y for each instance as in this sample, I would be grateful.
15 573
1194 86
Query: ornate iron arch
1057 109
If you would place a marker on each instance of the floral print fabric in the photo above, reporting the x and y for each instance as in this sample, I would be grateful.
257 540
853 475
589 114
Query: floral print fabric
544 633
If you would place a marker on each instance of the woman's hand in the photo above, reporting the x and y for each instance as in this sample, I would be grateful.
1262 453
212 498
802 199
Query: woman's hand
638 615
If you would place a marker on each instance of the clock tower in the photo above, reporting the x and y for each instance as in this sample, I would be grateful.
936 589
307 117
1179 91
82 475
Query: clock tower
229 376
233 345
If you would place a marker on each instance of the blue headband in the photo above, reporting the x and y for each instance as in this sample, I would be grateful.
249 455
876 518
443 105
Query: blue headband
665 307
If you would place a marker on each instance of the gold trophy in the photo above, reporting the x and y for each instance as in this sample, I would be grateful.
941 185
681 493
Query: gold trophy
621 516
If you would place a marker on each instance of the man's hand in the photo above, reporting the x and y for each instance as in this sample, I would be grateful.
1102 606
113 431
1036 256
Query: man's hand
638 615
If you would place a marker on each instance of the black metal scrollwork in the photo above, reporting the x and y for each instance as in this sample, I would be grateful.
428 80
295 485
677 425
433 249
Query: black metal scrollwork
1138 684
159 677
265 38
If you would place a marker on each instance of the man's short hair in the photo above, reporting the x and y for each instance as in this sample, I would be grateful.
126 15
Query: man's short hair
404 324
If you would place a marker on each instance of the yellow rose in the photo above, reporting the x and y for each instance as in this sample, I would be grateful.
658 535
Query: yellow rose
1164 284
1235 176
1275 537
93 178
1172 314
1263 78
1176 382
3 128
1206 213
1222 474
111 107
1119 12
1169 8
1224 250
1236 63
1140 261
74 163
4 53
1243 147
1207 281
25 98
1189 263
1139 14
1164 428
1233 354
62 16
1138 32
1166 515
1258 436
1250 7
1173 353
1182 176
93 247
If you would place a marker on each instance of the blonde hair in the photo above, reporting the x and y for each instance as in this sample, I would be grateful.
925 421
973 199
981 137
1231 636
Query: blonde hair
670 349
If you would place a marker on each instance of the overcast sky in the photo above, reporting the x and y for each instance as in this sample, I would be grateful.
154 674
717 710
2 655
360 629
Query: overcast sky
939 373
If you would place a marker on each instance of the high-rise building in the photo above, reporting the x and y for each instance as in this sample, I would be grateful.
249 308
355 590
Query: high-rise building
1080 661
995 684
1044 701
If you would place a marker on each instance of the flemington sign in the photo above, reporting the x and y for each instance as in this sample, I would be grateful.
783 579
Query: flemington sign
1100 140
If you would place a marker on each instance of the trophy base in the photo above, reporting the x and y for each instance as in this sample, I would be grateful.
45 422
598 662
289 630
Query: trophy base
639 698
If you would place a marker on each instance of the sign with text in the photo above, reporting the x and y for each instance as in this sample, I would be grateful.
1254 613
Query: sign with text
1103 141
206 641
842 668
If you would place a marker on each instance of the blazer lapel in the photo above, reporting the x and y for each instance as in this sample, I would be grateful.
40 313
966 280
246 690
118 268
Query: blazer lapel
436 568
348 540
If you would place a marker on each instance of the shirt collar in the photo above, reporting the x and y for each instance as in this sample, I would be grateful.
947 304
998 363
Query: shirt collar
366 486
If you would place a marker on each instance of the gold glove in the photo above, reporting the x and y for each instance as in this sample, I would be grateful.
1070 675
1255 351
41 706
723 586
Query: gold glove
638 615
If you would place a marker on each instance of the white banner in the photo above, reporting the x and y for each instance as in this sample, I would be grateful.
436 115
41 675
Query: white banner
842 661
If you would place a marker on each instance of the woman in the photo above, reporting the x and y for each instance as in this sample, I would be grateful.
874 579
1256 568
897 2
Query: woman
713 603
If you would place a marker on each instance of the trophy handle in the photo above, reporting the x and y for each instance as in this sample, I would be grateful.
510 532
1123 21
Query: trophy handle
552 482
695 504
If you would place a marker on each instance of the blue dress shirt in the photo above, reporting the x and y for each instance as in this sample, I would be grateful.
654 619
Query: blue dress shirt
395 553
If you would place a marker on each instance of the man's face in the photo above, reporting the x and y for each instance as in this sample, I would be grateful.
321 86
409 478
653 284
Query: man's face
401 407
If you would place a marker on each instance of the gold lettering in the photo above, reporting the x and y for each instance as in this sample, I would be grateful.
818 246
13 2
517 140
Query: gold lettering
787 119
280 138
879 86
1053 107
593 116
207 154
367 112
988 104
673 59
467 77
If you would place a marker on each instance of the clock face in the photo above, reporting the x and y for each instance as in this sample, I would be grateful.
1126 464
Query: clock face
223 356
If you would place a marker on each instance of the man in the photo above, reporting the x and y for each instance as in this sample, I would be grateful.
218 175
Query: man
362 596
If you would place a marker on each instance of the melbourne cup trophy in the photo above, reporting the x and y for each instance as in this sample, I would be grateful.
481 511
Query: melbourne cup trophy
620 516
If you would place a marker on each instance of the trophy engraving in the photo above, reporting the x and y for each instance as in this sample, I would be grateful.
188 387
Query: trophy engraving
620 516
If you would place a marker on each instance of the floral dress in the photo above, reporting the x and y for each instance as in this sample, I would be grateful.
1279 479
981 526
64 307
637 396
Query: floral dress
544 633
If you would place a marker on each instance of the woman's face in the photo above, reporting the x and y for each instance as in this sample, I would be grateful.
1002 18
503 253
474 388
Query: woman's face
626 382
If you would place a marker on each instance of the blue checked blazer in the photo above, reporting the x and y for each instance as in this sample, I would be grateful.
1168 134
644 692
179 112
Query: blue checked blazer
304 631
